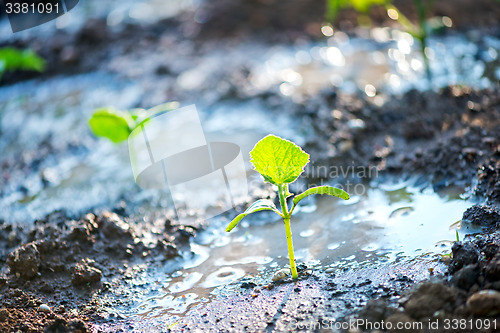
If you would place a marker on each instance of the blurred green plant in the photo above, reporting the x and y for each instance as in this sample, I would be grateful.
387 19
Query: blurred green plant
420 31
116 125
281 162
12 59
333 7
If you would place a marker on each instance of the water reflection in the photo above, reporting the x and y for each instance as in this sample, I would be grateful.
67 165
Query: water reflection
385 224
388 61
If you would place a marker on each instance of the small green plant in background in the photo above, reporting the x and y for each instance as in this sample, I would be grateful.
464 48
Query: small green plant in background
361 6
116 125
281 162
12 59
420 31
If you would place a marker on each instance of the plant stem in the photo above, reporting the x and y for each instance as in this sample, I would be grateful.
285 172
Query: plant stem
422 14
289 242
284 208
288 229
423 46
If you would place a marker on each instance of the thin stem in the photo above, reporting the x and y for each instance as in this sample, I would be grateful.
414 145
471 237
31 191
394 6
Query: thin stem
423 46
284 207
422 14
289 242
419 32
288 229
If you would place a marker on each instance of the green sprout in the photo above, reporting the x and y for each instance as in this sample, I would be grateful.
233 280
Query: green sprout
361 6
419 31
281 162
12 59
171 326
117 125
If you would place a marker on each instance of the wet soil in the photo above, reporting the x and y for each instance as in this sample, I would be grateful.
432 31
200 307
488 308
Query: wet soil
468 292
55 272
448 138
64 273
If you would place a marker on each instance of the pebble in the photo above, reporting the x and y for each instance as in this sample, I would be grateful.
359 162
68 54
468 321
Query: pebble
248 285
270 286
281 274
44 308
484 303
330 270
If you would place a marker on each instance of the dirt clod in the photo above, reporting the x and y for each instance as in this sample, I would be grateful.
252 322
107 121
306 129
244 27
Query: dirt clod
84 273
466 277
429 298
484 216
464 254
25 261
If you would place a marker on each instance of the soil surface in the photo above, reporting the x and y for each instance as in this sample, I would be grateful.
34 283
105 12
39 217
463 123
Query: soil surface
67 273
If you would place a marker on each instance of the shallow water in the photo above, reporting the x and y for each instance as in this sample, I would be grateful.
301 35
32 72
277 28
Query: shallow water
77 172
381 225
380 60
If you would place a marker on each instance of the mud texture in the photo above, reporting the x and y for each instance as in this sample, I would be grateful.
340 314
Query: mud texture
53 281
485 216
446 138
469 293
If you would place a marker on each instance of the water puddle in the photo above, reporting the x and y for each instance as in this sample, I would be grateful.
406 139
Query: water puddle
379 60
384 224
76 172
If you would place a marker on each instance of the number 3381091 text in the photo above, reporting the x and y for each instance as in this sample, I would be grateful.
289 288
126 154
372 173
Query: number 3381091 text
31 8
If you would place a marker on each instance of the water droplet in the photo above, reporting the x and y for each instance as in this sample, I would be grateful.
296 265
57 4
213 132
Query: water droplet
333 246
307 233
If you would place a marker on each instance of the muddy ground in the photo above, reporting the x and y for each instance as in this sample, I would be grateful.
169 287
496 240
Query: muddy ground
67 273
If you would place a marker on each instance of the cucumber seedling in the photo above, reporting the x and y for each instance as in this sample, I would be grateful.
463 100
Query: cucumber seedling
281 162
117 125
12 59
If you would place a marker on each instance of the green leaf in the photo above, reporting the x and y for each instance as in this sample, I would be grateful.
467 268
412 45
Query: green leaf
278 160
118 125
257 206
112 124
362 6
12 59
330 190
